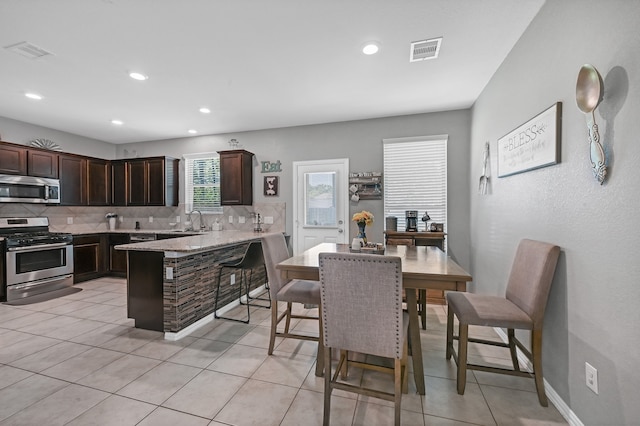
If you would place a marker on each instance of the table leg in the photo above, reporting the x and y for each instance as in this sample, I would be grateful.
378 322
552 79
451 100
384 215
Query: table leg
414 337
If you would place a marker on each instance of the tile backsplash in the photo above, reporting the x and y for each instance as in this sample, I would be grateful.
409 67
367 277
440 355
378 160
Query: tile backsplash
87 219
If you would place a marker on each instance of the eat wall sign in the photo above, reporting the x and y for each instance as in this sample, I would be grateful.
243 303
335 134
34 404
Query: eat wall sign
269 167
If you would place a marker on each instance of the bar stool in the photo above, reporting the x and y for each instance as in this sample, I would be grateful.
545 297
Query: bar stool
252 258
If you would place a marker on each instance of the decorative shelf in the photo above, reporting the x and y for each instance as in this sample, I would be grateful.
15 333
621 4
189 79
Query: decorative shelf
369 185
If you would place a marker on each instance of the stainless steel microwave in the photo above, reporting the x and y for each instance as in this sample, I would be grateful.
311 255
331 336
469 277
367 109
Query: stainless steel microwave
29 189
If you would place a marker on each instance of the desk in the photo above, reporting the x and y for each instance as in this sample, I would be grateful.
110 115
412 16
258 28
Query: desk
423 267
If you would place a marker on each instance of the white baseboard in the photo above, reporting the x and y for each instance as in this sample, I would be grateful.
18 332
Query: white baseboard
552 395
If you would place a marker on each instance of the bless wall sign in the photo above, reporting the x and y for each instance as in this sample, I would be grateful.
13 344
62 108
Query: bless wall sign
534 144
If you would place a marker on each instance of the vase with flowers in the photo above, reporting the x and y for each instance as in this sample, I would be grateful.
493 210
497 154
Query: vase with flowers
362 219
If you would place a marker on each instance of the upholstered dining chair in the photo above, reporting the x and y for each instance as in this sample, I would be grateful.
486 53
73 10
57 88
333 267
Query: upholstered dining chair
422 294
306 292
376 328
522 308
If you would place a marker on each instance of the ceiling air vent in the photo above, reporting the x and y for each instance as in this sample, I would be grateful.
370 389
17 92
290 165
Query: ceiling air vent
28 50
425 49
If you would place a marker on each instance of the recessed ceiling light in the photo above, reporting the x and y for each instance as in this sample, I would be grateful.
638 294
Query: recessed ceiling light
205 110
33 96
371 48
117 122
138 76
193 132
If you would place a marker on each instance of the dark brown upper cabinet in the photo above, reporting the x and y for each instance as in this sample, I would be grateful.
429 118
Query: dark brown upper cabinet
73 180
236 177
13 159
149 181
42 164
98 182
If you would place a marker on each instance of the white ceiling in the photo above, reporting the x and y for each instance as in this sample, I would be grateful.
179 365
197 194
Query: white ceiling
256 64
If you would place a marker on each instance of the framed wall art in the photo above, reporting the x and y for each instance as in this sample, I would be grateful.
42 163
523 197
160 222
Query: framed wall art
533 145
270 186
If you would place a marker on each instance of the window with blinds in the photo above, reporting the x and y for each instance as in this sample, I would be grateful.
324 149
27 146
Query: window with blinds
415 178
202 182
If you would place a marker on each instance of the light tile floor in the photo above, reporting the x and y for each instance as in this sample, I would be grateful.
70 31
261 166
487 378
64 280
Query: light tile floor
78 360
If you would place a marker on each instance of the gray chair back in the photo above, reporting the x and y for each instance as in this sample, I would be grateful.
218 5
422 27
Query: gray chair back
274 248
361 298
531 276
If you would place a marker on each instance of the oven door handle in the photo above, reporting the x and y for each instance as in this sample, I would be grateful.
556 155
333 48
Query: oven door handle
38 247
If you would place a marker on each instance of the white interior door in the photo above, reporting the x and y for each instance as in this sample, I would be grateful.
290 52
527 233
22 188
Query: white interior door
320 203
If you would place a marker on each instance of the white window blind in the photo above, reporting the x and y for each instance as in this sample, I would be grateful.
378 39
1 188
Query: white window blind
415 178
202 182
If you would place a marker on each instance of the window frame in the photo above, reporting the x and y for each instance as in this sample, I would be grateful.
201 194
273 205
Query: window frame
189 184
436 204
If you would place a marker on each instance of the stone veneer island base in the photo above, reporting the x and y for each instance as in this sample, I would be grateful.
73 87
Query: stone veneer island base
171 284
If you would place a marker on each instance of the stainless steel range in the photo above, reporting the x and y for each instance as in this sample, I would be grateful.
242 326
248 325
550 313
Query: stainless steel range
36 260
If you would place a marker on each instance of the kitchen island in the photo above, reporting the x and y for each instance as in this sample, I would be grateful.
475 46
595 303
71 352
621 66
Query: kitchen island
171 283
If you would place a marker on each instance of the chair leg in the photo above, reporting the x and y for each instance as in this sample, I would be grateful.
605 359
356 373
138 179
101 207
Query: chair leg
405 367
274 325
288 320
512 348
536 352
327 387
320 360
449 348
463 336
397 372
215 304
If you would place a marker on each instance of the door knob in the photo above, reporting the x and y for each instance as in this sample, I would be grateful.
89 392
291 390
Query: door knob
340 222
340 231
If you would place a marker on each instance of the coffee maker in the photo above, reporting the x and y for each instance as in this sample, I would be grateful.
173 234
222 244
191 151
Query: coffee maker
411 217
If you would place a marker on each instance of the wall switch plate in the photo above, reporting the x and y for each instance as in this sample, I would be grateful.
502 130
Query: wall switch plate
230 219
232 279
268 220
169 272
592 377
121 219
150 219
177 219
241 219
69 221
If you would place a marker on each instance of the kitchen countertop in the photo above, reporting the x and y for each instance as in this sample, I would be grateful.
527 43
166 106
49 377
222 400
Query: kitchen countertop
202 241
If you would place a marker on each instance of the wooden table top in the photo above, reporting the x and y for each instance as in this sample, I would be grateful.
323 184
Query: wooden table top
418 262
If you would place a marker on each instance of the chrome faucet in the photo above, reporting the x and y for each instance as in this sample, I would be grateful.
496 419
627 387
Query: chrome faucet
203 227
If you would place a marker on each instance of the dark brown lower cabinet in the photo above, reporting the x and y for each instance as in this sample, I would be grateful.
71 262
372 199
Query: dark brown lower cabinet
145 289
118 258
89 257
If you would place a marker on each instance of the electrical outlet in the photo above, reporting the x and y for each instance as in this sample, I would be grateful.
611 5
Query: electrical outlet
230 219
592 377
69 221
268 220
169 272
150 219
177 219
232 279
121 219
241 219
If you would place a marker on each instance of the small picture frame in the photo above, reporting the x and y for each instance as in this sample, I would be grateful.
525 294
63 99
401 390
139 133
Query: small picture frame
270 186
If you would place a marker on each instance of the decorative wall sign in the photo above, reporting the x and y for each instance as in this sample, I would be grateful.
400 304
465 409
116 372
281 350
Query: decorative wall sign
533 145
270 186
269 167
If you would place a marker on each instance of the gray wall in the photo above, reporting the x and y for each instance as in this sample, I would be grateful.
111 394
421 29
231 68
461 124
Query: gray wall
361 142
22 133
592 314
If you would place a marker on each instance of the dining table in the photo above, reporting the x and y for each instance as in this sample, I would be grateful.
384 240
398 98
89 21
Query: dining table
423 267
